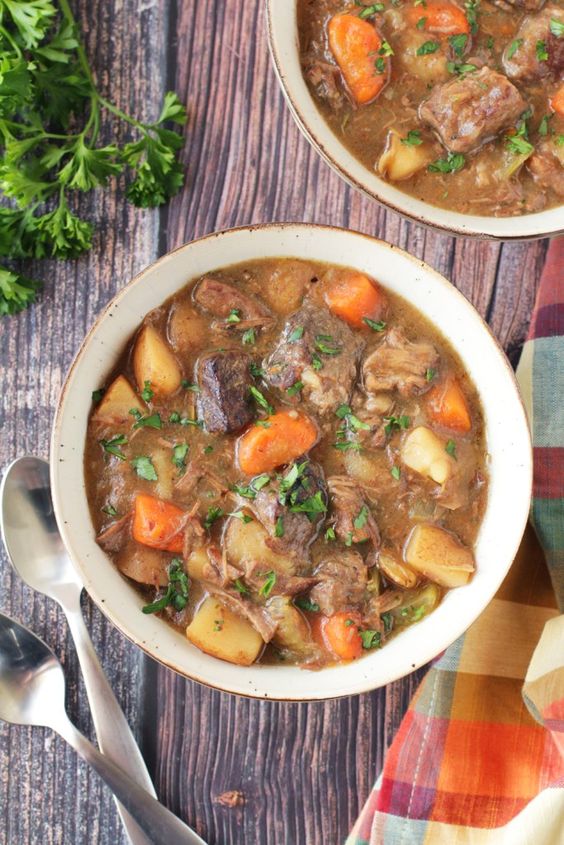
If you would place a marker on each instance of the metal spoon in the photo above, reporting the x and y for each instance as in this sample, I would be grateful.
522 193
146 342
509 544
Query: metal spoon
37 553
32 692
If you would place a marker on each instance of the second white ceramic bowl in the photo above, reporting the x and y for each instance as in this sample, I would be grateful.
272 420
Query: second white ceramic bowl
284 48
507 437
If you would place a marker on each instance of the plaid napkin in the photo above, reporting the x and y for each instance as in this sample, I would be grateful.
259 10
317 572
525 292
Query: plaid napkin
479 757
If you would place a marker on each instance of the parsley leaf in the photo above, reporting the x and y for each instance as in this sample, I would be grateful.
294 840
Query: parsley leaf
144 468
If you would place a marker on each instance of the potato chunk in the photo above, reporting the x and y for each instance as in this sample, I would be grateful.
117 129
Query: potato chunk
293 632
197 562
401 161
396 571
118 400
425 453
144 565
218 631
154 362
187 329
439 555
245 544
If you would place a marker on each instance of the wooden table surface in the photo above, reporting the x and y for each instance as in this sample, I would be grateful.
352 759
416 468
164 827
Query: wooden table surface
304 770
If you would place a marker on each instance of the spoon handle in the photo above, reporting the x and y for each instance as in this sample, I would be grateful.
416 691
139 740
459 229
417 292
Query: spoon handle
112 730
158 823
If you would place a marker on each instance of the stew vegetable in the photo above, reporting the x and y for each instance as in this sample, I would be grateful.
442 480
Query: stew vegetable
288 461
458 104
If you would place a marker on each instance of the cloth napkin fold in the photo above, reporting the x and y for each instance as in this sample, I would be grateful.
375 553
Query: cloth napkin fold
479 756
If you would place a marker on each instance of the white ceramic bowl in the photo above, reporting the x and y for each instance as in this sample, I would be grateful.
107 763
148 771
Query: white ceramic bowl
507 437
284 48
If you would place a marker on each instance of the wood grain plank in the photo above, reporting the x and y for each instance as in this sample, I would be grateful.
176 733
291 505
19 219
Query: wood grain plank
46 795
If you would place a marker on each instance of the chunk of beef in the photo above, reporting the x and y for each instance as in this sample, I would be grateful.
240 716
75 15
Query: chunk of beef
284 585
324 79
220 299
116 535
547 165
298 529
527 5
372 410
470 110
352 518
224 399
319 350
540 53
398 364
342 583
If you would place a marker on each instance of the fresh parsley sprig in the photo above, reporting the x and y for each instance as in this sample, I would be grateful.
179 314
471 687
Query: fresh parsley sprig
50 118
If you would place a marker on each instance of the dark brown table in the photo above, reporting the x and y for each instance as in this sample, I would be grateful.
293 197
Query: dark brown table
304 770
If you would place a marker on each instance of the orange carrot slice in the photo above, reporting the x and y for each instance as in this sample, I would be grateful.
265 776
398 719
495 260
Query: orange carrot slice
557 101
340 634
158 524
447 406
286 436
355 45
440 18
353 297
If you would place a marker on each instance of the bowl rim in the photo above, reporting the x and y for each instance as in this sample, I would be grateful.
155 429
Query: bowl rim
62 411
330 148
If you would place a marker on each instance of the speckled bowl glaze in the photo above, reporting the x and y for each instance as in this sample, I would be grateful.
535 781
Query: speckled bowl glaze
507 435
284 48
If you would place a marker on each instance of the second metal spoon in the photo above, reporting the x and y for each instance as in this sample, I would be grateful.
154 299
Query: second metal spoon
37 553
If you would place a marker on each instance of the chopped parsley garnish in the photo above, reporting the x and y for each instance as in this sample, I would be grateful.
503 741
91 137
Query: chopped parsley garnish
451 164
110 510
307 604
112 446
412 139
295 388
421 23
430 374
190 385
557 28
263 423
347 446
234 316
179 453
388 621
450 448
311 506
513 47
177 591
316 362
396 423
297 334
380 325
458 43
518 144
268 586
386 49
240 587
361 518
249 336
212 514
327 345
147 393
471 7
395 473
460 68
279 527
152 421
208 450
255 370
174 417
344 412
543 125
97 394
370 11
330 534
188 421
244 517
370 639
261 399
144 468
427 48
541 51
249 491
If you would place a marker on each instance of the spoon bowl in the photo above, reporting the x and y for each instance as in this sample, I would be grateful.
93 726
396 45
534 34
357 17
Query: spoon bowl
32 684
30 531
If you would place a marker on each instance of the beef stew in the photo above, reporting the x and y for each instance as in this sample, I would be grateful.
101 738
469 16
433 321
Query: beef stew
460 105
289 463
